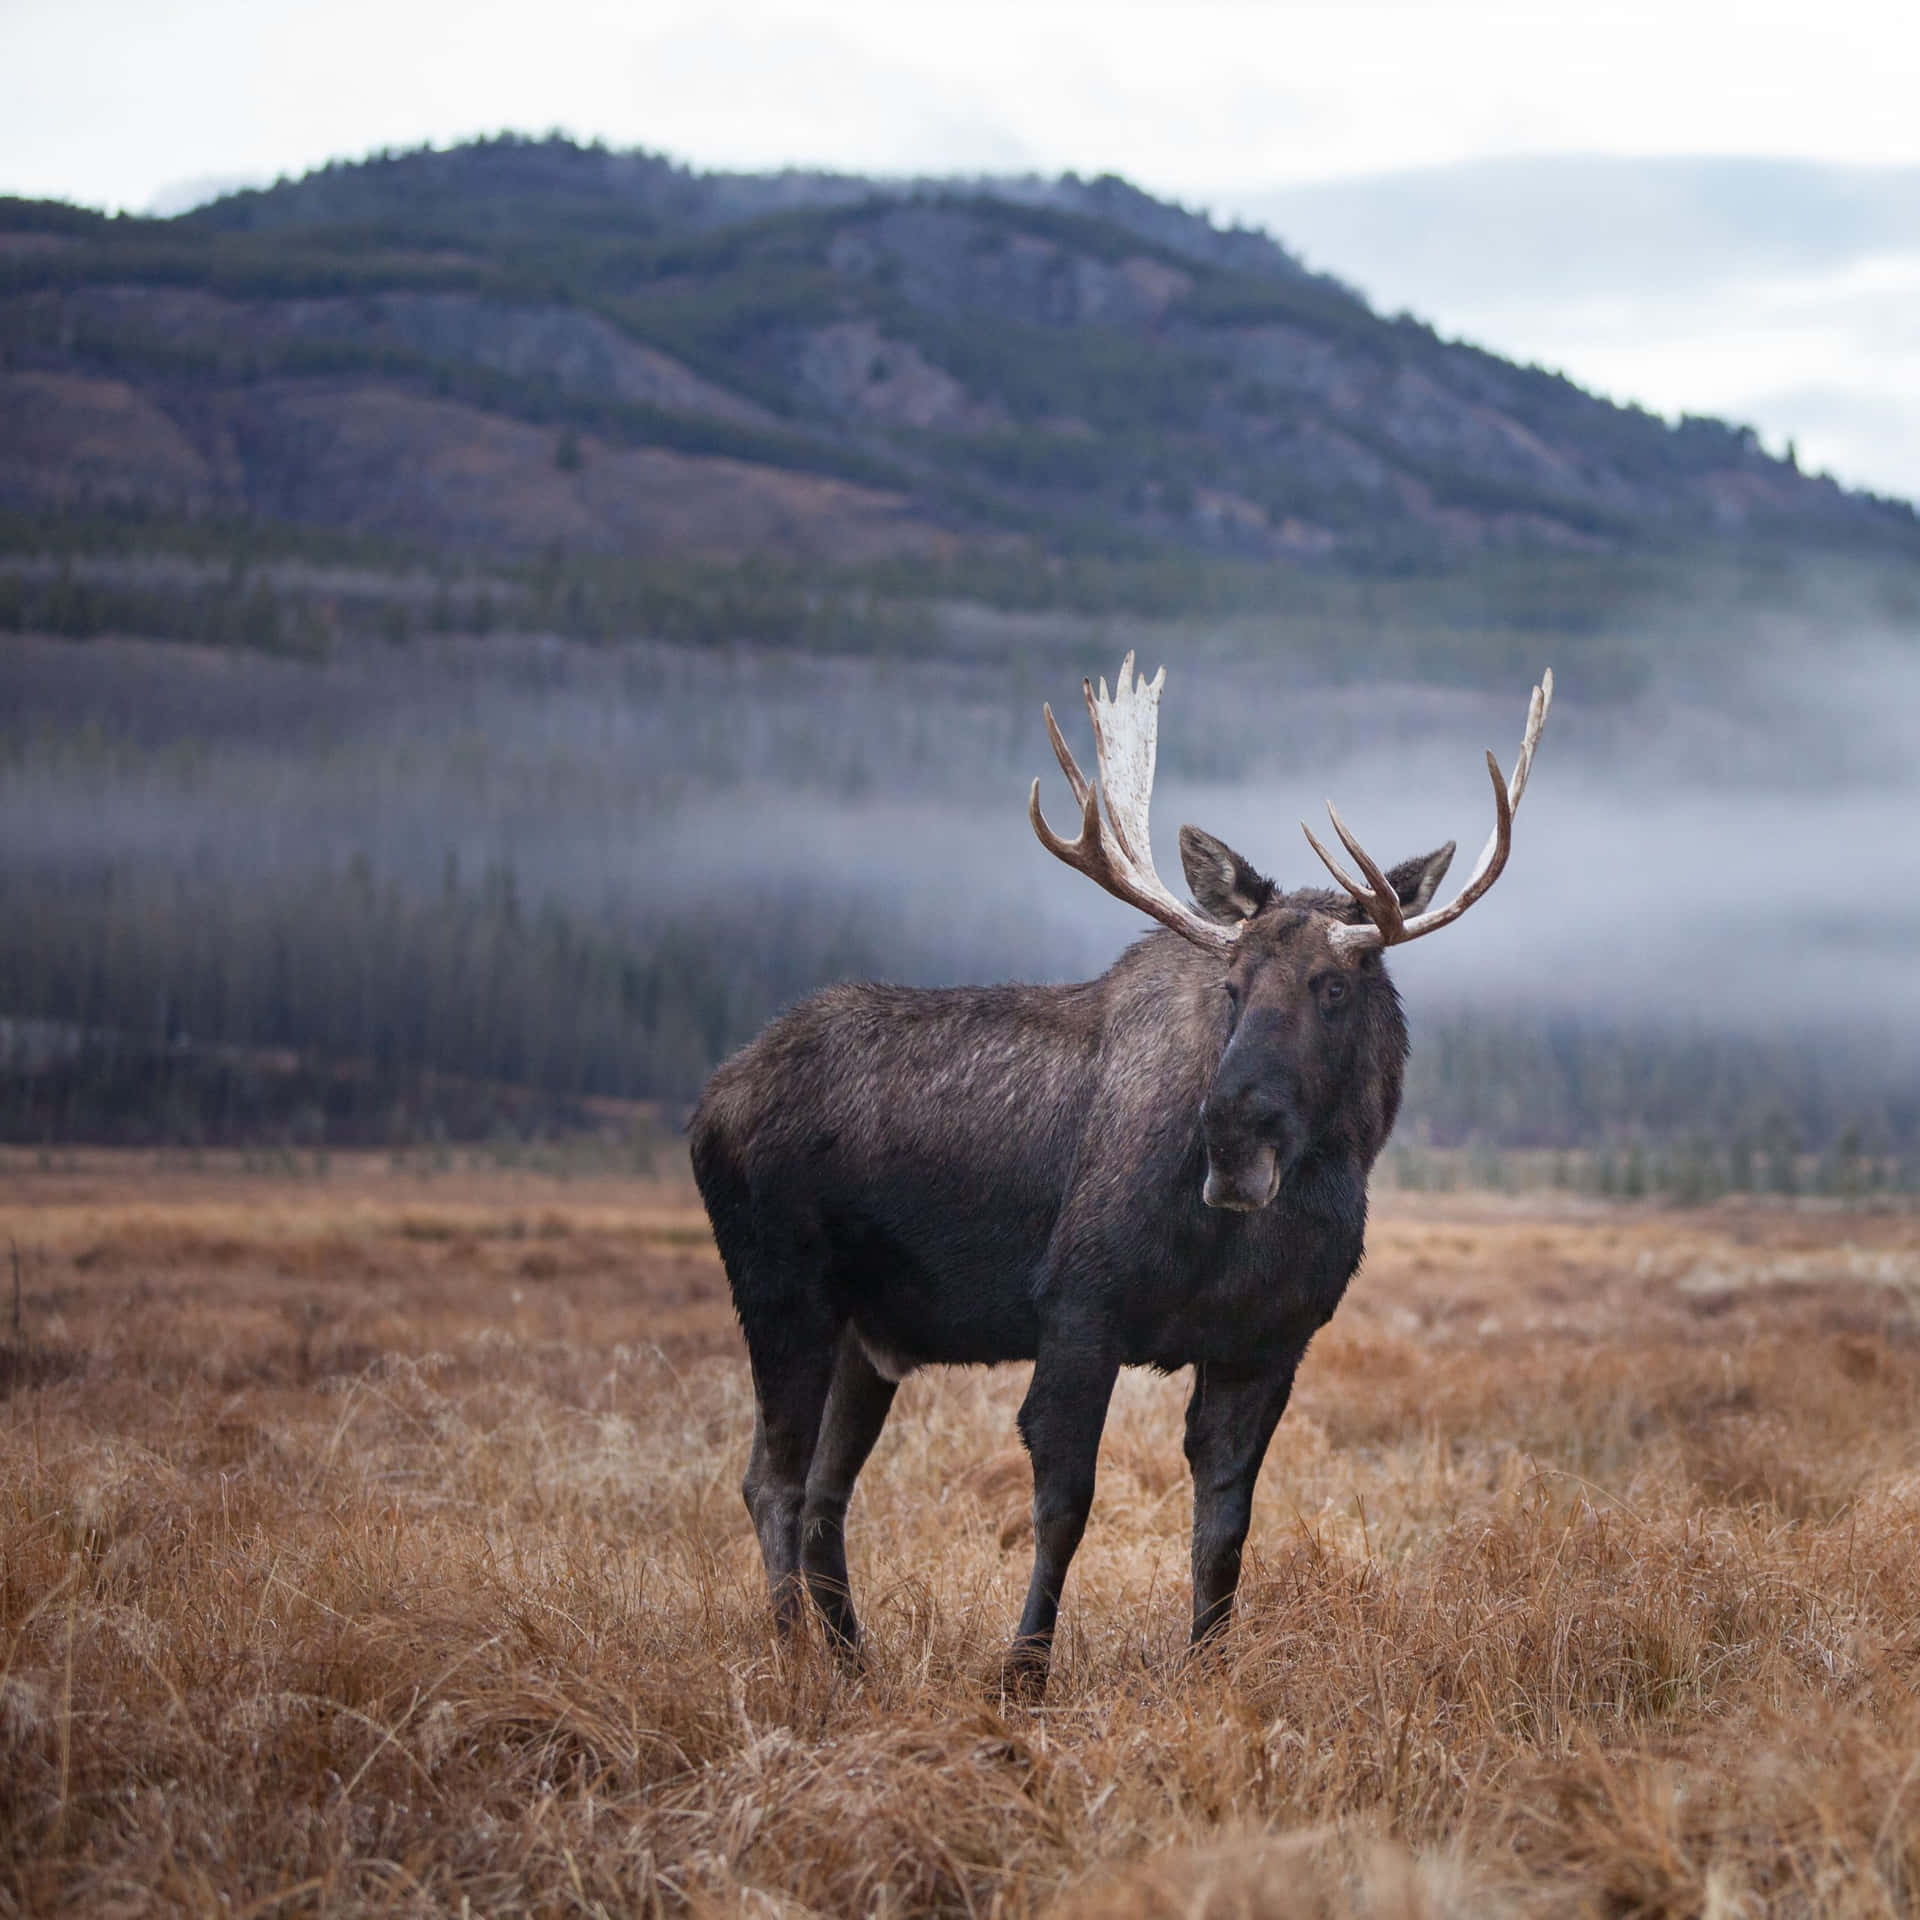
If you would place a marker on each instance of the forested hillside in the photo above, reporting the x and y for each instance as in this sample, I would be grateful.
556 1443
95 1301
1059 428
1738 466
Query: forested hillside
537 349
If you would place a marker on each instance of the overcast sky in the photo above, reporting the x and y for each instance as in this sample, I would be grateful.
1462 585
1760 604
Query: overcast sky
1228 104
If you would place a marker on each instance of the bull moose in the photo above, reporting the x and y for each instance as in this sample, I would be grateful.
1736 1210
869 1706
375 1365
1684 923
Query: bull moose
1164 1167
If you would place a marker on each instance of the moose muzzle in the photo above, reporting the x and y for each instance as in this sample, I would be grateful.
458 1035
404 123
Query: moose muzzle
1244 1186
1253 1130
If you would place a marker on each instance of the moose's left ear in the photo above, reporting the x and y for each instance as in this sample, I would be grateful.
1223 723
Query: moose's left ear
1417 881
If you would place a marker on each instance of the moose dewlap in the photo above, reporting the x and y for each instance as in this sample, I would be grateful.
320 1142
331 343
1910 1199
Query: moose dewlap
1163 1167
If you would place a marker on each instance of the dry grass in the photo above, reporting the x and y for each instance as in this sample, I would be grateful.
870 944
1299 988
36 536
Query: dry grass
373 1544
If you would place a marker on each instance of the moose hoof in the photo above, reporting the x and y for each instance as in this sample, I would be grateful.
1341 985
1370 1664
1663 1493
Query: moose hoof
849 1648
1023 1673
1207 1652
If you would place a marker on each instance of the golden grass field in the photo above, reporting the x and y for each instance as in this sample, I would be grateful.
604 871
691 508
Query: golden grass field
372 1543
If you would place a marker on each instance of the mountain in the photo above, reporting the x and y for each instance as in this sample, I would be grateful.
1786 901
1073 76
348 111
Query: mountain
521 347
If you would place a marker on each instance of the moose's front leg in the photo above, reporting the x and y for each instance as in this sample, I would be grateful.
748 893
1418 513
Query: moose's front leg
1230 1420
1060 1421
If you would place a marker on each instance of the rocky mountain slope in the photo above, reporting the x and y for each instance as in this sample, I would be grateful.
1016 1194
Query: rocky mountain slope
520 347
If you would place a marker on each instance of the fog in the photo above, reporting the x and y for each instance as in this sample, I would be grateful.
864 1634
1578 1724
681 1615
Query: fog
1738 848
1745 862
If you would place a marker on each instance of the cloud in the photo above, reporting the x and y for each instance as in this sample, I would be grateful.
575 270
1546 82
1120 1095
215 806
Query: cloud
1550 228
1779 293
783 93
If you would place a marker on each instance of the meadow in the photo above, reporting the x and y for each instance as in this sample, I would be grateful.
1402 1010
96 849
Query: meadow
370 1542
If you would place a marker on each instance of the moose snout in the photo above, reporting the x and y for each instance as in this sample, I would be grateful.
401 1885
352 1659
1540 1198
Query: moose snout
1246 1188
1251 1133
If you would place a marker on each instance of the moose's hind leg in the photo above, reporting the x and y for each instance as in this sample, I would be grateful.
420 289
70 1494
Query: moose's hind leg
857 1408
793 1363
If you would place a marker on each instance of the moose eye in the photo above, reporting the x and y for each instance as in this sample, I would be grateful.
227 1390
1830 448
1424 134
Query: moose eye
1333 990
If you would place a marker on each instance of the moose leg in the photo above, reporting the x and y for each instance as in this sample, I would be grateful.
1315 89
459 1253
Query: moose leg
790 1384
1060 1421
1230 1420
857 1408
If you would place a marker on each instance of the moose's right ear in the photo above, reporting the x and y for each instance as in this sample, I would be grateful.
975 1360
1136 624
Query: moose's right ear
1416 881
1224 887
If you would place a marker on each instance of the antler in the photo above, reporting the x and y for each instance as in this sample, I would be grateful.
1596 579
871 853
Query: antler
1116 852
1377 899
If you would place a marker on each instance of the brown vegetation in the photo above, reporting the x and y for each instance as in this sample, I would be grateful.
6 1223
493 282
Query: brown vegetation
372 1542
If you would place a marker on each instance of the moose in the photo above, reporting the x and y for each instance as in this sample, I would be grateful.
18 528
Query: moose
1164 1167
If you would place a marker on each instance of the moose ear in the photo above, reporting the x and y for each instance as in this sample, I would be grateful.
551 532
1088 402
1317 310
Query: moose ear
1224 887
1417 881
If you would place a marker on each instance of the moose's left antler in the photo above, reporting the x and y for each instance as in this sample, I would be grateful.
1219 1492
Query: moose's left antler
1377 900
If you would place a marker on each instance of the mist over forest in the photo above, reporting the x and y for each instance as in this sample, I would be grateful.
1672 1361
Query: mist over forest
592 870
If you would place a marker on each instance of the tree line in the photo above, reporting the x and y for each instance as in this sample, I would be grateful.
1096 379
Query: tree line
153 996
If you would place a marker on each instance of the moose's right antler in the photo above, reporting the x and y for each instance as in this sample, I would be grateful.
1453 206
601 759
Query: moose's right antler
1377 900
1116 852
